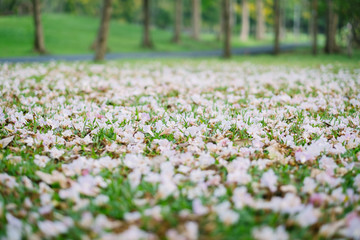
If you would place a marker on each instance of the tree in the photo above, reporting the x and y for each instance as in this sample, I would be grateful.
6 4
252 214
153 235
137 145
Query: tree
349 13
8 7
101 40
282 17
196 19
39 43
146 43
260 20
277 26
297 19
331 26
233 6
227 28
314 27
220 31
211 16
178 21
349 39
245 23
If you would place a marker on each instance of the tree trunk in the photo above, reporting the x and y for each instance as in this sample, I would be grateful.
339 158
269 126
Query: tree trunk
245 25
260 20
349 39
277 26
297 19
196 19
233 12
355 23
310 21
220 32
147 43
101 44
282 17
331 25
227 28
314 27
39 44
334 31
178 21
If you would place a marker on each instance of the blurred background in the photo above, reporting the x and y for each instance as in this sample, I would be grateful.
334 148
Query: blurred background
73 26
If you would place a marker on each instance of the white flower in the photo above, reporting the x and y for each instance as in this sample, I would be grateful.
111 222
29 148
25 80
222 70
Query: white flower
352 230
228 217
308 216
268 233
8 180
302 157
225 214
67 133
309 185
166 188
327 163
206 160
239 176
154 212
269 180
41 161
139 137
134 178
52 229
191 230
56 153
257 143
357 182
87 220
101 200
132 216
14 227
132 233
241 197
198 207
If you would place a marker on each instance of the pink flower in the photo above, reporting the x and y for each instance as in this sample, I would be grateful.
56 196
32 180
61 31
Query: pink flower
352 229
267 233
198 208
307 216
56 153
327 163
269 180
41 161
302 157
317 199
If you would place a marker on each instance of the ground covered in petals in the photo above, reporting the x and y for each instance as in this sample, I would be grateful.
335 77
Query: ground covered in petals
199 150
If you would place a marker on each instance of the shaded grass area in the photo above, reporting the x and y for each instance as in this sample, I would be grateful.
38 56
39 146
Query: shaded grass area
299 58
70 34
304 58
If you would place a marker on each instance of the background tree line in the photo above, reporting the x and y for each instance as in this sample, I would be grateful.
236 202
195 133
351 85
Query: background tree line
224 18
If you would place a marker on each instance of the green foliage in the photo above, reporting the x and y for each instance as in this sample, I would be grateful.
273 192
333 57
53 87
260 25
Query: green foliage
163 11
128 11
210 12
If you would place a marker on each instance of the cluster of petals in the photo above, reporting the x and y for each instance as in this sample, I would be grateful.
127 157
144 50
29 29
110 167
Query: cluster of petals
112 148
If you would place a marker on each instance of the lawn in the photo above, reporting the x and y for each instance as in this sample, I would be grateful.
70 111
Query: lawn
181 149
71 34
300 58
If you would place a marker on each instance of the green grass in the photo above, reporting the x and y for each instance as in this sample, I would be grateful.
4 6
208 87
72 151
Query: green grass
299 58
304 58
70 34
